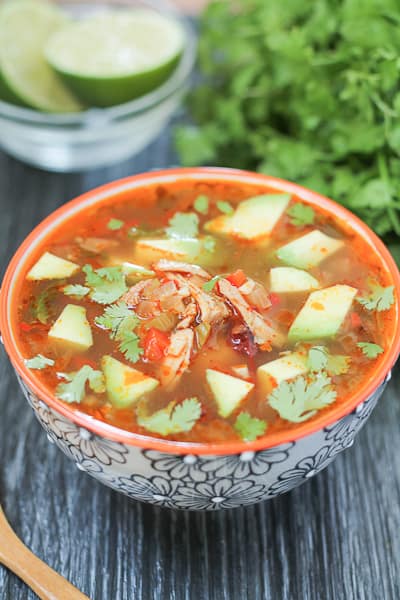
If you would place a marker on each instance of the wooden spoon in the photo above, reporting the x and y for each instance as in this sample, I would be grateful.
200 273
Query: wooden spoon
45 582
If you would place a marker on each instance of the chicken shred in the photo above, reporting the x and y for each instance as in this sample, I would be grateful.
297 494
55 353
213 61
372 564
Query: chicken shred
177 357
180 267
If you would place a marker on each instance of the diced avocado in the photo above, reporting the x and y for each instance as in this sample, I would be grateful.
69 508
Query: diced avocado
323 313
50 266
148 251
289 279
228 391
72 326
283 368
309 250
254 218
125 385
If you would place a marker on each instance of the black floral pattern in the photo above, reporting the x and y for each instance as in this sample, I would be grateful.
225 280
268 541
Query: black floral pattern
240 466
184 467
306 468
222 493
157 490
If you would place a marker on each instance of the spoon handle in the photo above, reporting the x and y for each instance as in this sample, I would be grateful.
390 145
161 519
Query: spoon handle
45 582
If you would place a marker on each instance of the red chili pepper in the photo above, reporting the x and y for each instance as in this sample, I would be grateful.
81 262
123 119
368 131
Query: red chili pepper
155 344
275 299
25 326
355 320
237 278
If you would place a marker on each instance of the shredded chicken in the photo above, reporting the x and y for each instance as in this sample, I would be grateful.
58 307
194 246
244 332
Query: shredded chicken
212 309
188 315
263 332
96 245
177 358
255 294
133 296
180 267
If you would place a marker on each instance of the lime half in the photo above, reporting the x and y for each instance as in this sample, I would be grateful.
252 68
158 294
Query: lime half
25 77
116 56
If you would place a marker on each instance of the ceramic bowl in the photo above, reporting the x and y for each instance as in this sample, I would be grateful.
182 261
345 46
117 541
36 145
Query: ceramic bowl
199 476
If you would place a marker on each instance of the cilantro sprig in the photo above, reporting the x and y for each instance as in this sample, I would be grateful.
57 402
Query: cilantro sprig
208 286
300 399
39 362
370 350
201 204
378 298
77 291
175 418
74 389
320 359
183 226
106 284
249 428
115 224
121 322
300 214
225 207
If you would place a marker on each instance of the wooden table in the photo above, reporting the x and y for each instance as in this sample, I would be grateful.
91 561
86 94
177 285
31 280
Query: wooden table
335 538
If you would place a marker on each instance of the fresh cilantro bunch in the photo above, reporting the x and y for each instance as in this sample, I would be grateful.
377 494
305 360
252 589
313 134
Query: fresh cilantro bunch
307 91
121 321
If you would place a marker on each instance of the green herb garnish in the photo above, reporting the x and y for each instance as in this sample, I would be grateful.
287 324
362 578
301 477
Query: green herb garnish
209 243
301 214
175 418
370 350
106 284
319 359
379 298
79 291
201 204
225 207
183 226
74 390
121 322
299 400
39 362
249 428
210 285
115 224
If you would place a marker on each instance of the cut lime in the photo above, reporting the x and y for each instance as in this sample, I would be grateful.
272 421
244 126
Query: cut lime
116 56
25 77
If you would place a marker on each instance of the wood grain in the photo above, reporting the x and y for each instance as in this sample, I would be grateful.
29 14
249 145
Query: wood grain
335 538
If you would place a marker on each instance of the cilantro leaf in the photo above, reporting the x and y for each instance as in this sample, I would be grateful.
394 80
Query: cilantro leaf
320 359
76 290
225 207
115 224
300 399
209 243
175 418
249 428
118 318
210 285
129 346
42 306
74 390
39 362
121 321
370 350
183 226
379 298
106 284
201 204
301 214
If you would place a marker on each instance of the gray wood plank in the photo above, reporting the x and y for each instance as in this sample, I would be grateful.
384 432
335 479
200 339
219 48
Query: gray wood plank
335 538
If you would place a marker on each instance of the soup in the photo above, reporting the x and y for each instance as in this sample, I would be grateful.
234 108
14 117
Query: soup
203 312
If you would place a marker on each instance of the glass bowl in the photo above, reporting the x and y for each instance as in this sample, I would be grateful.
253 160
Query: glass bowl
97 137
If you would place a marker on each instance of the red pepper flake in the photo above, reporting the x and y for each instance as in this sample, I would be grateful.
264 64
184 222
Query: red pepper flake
275 299
355 320
25 326
237 278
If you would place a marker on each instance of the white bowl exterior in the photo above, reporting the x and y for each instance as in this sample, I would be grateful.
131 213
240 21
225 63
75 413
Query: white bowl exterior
205 482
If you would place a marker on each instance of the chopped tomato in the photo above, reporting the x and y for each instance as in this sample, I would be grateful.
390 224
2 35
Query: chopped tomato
275 299
155 344
355 320
237 278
